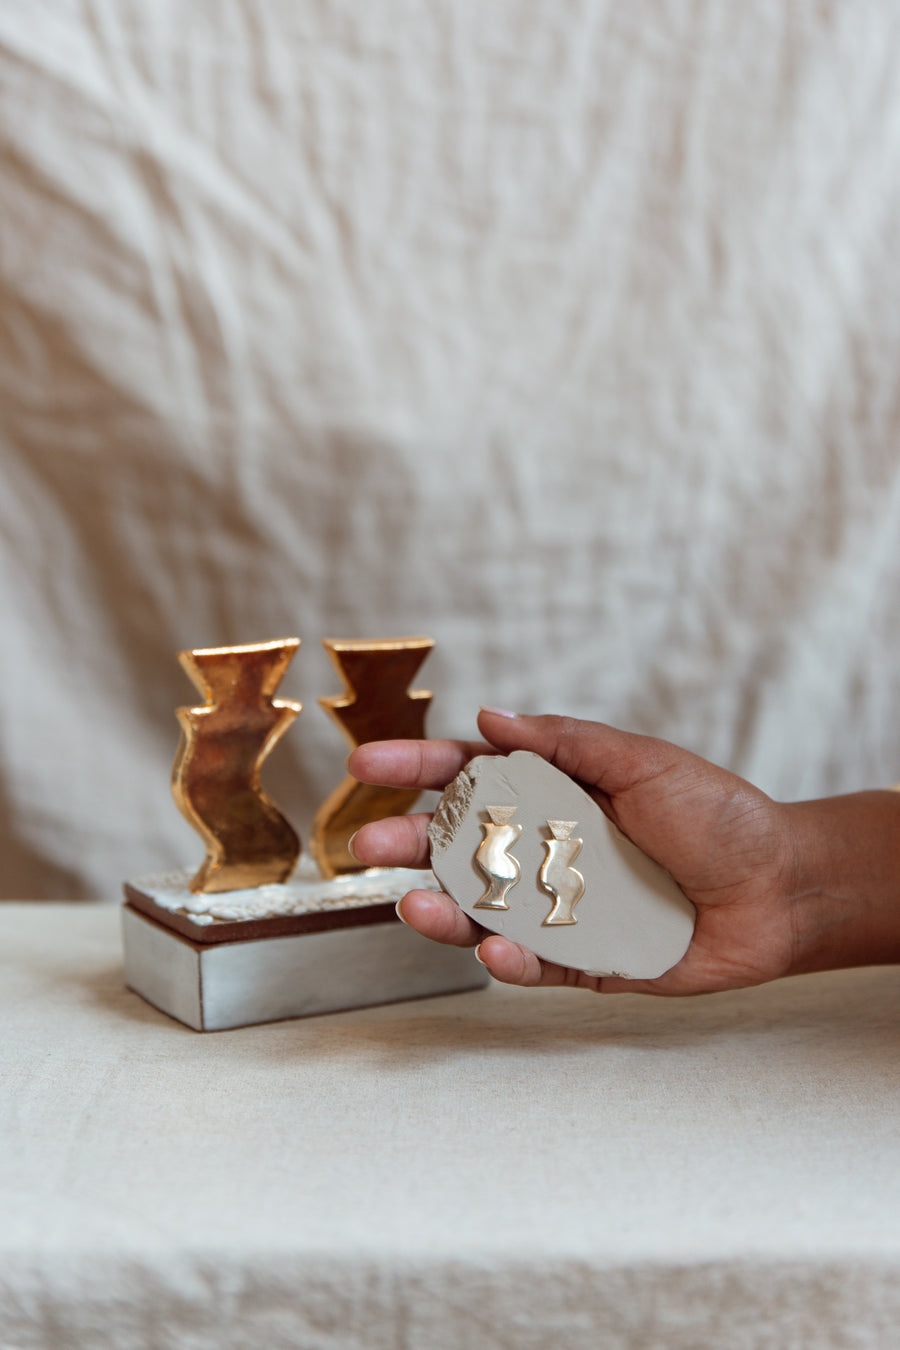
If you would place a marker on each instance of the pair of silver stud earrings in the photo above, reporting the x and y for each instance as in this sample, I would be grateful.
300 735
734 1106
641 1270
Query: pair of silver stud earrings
557 875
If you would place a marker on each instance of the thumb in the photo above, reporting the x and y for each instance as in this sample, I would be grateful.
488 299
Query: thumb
669 802
599 756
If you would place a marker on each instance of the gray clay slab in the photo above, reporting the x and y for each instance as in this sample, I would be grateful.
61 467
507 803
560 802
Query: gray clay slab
632 920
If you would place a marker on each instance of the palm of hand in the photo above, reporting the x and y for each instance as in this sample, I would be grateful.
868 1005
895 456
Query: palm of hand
725 843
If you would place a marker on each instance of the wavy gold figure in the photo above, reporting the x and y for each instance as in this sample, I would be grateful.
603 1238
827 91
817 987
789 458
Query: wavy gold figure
493 857
377 705
557 874
215 779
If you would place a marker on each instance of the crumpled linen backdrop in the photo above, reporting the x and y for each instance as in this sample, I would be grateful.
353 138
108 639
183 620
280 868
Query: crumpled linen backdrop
568 333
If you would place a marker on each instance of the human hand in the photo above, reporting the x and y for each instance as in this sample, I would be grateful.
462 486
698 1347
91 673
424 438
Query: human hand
776 887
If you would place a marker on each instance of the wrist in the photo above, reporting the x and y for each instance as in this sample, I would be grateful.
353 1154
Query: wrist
845 889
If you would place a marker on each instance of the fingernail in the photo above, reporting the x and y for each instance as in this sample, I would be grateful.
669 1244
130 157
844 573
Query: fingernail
478 957
350 848
397 911
498 712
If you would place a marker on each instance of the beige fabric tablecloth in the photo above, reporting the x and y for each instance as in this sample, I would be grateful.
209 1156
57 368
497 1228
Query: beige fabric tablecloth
521 1169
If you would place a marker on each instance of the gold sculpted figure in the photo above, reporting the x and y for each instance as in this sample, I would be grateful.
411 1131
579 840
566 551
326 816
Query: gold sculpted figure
493 857
215 780
377 705
557 874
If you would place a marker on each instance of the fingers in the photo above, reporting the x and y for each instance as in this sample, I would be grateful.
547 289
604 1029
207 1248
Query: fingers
436 916
664 799
607 759
413 764
396 841
511 963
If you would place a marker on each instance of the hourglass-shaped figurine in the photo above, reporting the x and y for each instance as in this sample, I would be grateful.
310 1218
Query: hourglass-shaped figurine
557 874
493 857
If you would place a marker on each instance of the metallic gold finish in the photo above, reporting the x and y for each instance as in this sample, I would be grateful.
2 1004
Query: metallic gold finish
215 779
558 876
494 859
377 705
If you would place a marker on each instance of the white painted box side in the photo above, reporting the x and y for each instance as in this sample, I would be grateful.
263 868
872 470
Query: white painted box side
161 969
232 984
295 976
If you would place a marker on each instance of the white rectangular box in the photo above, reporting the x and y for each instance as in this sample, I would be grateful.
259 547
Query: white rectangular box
212 986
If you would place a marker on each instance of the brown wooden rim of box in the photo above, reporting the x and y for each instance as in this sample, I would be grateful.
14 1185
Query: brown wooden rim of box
279 925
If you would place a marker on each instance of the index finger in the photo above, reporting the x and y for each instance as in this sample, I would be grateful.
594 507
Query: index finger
413 764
